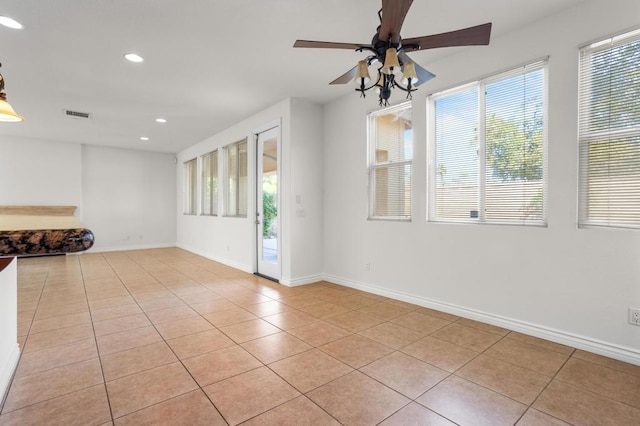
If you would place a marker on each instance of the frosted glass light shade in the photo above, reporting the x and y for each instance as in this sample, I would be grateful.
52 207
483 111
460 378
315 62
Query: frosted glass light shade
7 113
363 72
409 72
391 61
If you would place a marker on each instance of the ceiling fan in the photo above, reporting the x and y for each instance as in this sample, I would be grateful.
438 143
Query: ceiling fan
390 50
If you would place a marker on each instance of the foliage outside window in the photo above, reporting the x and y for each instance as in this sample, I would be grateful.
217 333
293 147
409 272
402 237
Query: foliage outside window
236 179
609 132
487 150
210 183
190 187
390 157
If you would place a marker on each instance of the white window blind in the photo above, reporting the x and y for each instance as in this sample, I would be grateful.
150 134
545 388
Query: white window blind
210 183
487 150
190 187
390 157
609 132
236 181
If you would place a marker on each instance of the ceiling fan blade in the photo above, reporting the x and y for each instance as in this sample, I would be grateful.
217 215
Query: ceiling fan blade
472 36
347 76
393 14
327 45
423 74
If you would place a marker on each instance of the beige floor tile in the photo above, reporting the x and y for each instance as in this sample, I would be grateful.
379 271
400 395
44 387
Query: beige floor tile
354 321
356 399
183 327
385 311
483 326
208 296
138 391
249 330
580 407
44 312
268 308
324 310
135 360
129 339
57 356
437 314
114 312
310 370
510 380
249 394
300 300
545 344
221 364
318 333
439 353
416 414
405 374
199 343
421 322
532 357
467 337
39 326
354 302
355 350
392 335
83 407
111 302
608 362
290 319
229 317
602 380
249 299
275 347
58 337
28 390
160 304
152 295
171 314
299 411
117 325
464 402
534 417
192 409
211 306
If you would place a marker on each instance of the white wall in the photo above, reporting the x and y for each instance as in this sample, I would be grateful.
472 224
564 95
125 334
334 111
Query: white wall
129 198
9 350
119 193
232 240
37 172
560 282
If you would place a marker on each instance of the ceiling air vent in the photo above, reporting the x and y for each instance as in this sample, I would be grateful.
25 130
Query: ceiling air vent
76 114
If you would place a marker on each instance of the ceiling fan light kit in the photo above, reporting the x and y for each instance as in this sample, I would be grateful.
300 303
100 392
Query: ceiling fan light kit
7 113
388 49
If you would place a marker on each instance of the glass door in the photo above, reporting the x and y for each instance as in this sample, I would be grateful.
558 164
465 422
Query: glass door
267 213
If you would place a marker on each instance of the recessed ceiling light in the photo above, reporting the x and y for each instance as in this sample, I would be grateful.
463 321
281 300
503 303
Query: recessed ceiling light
161 120
144 138
133 57
10 23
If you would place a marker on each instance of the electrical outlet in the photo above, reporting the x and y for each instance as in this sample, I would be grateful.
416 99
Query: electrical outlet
367 266
634 316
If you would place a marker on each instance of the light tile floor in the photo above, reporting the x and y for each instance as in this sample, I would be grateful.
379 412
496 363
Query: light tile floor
167 337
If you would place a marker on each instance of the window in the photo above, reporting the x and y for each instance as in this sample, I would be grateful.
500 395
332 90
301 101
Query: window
487 152
236 195
609 132
390 156
210 183
190 187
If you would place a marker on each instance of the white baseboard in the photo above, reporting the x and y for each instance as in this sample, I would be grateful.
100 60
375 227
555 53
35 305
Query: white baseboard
301 281
7 373
599 347
127 248
224 261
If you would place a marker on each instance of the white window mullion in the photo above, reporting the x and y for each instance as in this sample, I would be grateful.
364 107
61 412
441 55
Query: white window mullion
482 153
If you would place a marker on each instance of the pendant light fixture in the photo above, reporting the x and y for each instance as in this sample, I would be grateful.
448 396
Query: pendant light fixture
6 111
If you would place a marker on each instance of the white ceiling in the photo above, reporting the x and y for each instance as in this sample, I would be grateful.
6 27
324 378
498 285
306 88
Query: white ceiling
208 63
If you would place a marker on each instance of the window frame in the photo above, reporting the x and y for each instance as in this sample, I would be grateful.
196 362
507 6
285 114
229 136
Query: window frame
587 137
480 85
213 207
373 165
190 187
227 179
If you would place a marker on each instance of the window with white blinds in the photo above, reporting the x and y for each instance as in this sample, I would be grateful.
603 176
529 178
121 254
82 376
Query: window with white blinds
487 149
609 132
236 179
390 137
190 187
210 184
